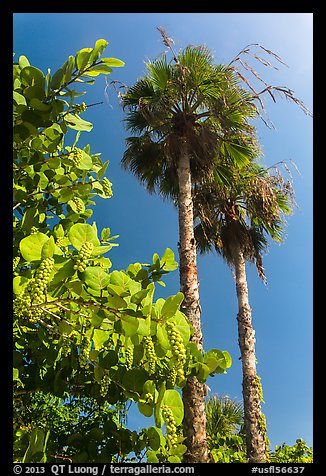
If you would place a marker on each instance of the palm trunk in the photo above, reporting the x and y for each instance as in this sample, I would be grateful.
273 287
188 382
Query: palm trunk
255 434
194 424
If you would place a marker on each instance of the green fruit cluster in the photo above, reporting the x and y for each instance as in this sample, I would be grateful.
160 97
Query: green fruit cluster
79 204
59 241
66 347
84 352
80 108
172 376
177 347
15 262
84 255
149 398
150 354
43 274
171 427
105 383
22 305
76 156
34 292
106 184
129 356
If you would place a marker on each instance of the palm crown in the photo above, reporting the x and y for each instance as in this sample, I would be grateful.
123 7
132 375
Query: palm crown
193 101
245 210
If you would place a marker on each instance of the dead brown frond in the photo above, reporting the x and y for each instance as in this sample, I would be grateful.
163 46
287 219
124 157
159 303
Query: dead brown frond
270 89
168 42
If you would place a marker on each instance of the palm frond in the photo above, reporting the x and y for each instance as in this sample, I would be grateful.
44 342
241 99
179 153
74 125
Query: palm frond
224 416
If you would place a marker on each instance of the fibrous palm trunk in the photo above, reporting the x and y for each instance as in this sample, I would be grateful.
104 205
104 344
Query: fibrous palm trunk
194 423
255 436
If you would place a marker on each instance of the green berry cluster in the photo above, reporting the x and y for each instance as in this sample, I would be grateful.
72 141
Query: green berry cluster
129 356
172 376
15 262
76 156
84 255
34 292
43 274
22 304
84 352
177 347
106 184
66 347
149 398
105 383
79 108
150 354
79 204
171 427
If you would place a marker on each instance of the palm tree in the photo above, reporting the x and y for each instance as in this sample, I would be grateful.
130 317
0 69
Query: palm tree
225 429
185 116
235 221
225 417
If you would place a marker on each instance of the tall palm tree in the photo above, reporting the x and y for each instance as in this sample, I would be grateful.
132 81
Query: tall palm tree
185 115
235 220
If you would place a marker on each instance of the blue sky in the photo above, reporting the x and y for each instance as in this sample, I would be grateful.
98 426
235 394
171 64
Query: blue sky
282 310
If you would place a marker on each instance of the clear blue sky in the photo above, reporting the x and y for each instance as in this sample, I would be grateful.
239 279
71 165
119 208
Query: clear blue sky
282 311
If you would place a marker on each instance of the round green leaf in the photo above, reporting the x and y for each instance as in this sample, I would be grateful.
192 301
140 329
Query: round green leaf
31 246
129 324
173 400
107 359
156 438
95 277
115 62
82 232
32 76
145 409
134 380
19 282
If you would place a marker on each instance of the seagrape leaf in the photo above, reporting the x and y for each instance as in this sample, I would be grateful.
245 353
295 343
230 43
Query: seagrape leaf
157 413
115 62
32 76
107 359
82 58
162 337
23 62
168 262
77 123
79 233
18 98
95 277
19 282
172 399
99 338
85 163
98 49
156 438
31 246
171 305
134 380
48 248
228 358
129 324
145 409
183 326
203 371
98 69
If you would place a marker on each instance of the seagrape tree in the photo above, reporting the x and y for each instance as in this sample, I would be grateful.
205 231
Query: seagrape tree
88 339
